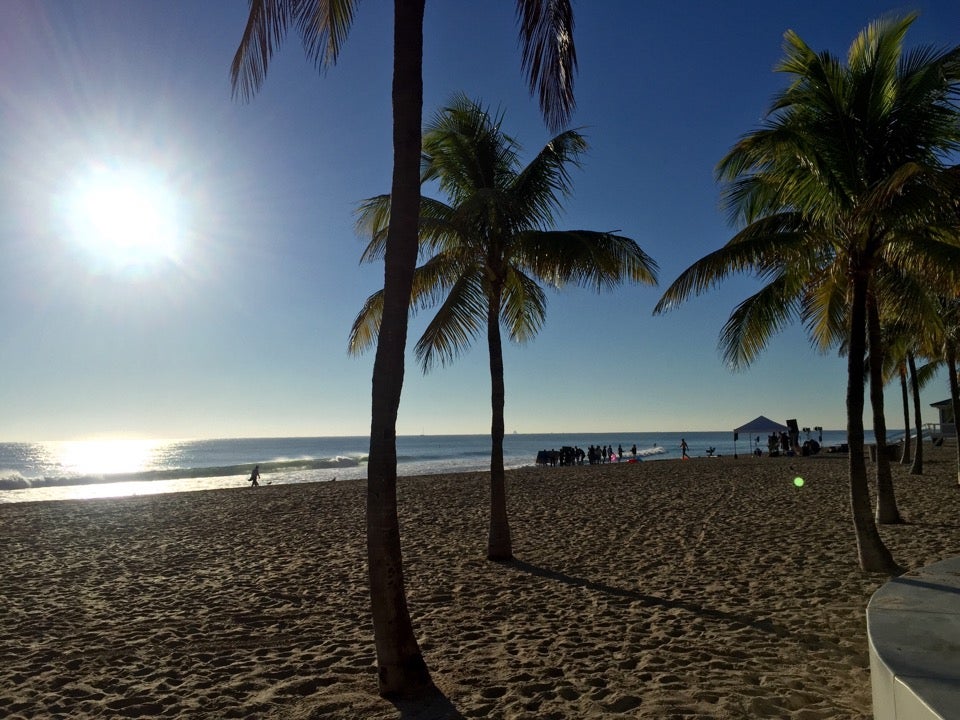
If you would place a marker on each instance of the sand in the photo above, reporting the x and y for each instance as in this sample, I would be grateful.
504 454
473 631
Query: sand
709 588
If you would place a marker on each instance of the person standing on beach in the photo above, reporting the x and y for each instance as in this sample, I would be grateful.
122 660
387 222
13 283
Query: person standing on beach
254 476
683 449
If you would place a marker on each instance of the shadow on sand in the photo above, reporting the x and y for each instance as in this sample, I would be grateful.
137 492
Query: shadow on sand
435 706
736 619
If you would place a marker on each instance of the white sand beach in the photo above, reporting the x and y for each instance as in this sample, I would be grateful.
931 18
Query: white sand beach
710 588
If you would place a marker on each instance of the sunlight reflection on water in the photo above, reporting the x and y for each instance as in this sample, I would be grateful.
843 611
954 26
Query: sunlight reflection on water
107 457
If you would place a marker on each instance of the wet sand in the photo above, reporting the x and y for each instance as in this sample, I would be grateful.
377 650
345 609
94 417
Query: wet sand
709 588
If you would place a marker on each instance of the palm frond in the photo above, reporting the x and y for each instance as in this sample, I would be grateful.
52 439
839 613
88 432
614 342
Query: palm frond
458 320
584 257
764 244
754 321
825 309
537 190
373 221
927 373
366 326
265 29
523 307
323 25
430 283
549 56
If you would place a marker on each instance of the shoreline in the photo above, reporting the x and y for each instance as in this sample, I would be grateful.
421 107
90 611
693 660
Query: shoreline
710 588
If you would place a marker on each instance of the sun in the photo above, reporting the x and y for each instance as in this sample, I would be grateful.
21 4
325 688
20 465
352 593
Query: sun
125 216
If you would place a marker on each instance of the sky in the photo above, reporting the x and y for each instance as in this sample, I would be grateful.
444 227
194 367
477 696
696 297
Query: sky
231 318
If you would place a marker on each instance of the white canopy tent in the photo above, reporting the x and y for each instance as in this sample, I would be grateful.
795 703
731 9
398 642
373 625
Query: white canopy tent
760 424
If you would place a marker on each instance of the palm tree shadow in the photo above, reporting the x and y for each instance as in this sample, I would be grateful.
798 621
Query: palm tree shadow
947 526
737 620
435 706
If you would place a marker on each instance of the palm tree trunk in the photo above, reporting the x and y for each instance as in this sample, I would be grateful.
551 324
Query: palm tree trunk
499 547
917 467
887 512
907 455
873 554
954 396
402 671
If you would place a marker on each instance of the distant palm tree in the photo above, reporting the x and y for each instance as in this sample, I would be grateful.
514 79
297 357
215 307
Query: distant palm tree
846 173
948 344
919 377
488 250
549 58
897 367
913 320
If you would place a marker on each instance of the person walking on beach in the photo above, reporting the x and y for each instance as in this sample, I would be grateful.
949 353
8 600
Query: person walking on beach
254 476
683 449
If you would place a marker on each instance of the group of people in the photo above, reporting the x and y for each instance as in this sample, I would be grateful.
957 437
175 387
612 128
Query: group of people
604 454
788 444
594 455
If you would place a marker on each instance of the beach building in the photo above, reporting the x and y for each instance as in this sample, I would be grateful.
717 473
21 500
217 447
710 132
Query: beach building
948 426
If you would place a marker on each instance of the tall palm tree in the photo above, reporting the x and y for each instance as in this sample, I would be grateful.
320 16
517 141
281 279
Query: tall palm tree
887 511
920 376
913 323
898 366
846 173
486 253
948 344
549 59
900 306
903 376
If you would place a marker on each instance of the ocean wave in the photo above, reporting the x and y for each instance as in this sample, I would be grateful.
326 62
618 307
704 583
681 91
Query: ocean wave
12 480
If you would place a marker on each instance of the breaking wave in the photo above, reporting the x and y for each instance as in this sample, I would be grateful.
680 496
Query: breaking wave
13 480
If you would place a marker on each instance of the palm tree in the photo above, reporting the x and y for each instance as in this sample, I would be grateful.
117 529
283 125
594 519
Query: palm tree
920 376
916 467
900 361
948 344
487 250
887 511
846 174
900 306
549 58
912 324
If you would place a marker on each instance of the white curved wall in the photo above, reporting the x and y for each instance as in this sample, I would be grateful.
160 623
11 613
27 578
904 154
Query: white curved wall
913 626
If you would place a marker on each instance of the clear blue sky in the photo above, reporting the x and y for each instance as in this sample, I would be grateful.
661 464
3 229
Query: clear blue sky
240 329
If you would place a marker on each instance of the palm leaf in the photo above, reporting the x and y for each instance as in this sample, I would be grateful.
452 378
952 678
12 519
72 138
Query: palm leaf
366 326
458 320
323 26
746 333
549 56
523 309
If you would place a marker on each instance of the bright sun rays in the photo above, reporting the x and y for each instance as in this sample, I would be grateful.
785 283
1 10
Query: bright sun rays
126 217
107 457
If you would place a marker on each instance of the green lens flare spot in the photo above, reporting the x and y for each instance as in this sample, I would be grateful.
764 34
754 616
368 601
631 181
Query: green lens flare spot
798 481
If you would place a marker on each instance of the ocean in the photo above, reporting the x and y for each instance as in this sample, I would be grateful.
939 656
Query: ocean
111 468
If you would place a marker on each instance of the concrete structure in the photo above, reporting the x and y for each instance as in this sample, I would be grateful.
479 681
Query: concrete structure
913 626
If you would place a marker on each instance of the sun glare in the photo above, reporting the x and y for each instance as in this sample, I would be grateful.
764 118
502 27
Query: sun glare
106 457
126 217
